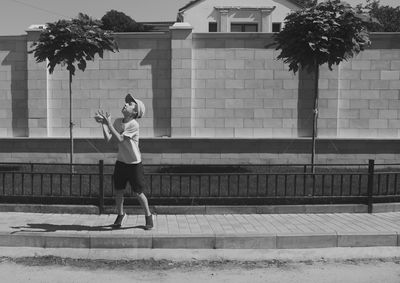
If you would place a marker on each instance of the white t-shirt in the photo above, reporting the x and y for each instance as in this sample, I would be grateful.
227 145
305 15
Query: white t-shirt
128 149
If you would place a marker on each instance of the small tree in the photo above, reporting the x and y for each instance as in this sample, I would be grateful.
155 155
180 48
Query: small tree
307 3
387 18
120 22
70 42
329 32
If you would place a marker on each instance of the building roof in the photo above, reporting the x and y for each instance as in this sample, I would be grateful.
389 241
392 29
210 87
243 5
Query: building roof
193 2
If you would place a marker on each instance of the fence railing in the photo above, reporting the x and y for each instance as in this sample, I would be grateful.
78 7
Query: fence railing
204 184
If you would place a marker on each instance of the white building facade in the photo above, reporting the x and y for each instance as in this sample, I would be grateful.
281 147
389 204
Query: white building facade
236 15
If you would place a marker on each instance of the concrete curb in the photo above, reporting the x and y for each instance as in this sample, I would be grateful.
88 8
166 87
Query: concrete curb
205 209
193 241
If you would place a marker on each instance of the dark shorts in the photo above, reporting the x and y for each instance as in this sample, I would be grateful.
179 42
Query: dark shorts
132 173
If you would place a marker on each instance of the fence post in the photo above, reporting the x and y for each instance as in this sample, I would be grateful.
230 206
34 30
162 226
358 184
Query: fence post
371 164
31 167
101 186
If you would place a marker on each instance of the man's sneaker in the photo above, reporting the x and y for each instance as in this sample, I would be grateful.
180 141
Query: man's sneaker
149 222
120 220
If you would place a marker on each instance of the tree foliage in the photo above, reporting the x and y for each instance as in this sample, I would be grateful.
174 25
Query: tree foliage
70 42
328 32
307 3
387 18
119 22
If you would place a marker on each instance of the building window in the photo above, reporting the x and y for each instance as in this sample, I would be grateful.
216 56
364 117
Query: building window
236 27
212 27
276 27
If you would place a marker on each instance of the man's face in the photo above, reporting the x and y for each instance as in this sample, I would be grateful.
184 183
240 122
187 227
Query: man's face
129 109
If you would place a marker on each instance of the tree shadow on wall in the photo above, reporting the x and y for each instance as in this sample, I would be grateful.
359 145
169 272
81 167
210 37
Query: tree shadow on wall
17 75
160 63
305 103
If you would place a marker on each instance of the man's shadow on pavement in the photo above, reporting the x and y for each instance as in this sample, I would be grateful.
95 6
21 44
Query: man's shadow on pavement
45 227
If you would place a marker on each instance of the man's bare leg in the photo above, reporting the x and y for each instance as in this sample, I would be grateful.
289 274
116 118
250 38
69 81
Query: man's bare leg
119 202
144 203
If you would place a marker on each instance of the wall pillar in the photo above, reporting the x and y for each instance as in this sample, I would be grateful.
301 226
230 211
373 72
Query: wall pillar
224 23
266 20
37 91
181 80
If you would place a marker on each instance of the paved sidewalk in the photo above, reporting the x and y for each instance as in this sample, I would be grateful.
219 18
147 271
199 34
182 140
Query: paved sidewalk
223 231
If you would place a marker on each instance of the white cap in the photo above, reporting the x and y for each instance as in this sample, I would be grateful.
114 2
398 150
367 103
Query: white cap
140 109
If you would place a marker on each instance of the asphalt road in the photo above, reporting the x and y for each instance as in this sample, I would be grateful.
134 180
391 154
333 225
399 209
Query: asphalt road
350 272
314 265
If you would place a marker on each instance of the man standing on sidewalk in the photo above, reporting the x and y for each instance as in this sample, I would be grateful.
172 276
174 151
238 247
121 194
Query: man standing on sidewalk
128 167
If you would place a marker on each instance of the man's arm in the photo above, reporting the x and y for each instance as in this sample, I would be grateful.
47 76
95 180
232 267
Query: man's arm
114 132
100 118
106 132
108 128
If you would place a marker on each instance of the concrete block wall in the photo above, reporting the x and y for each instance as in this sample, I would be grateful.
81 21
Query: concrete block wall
203 85
369 95
241 89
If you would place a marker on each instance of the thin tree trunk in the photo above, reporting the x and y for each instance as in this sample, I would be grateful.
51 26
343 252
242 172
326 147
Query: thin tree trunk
71 125
315 115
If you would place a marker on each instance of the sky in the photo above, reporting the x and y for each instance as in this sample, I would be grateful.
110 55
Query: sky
17 15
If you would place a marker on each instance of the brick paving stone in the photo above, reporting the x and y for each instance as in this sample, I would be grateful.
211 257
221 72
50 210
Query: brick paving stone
226 226
127 229
316 223
391 216
373 223
205 227
279 223
386 223
390 219
303 228
247 224
310 226
90 220
161 224
76 219
193 224
215 225
172 223
297 224
137 222
257 222
340 224
370 224
236 224
348 225
58 227
332 224
264 222
356 223
183 224
253 227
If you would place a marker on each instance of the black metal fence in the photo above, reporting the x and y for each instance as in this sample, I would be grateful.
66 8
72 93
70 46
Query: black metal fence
204 184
